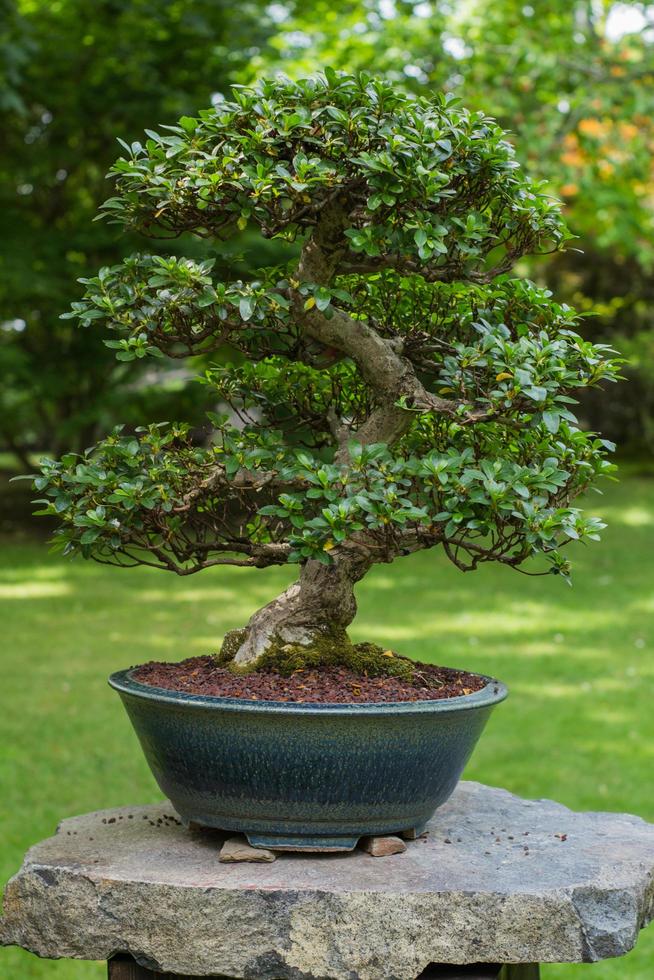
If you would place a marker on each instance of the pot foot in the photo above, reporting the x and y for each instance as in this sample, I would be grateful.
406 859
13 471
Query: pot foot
288 842
413 832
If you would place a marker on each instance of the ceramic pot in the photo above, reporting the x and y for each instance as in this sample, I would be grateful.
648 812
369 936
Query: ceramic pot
305 776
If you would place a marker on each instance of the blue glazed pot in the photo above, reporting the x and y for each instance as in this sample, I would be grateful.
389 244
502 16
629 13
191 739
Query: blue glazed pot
305 776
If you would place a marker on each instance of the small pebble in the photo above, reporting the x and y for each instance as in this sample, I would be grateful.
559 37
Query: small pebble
383 846
236 849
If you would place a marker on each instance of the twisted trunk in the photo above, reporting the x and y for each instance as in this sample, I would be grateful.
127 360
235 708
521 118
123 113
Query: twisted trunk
321 605
317 608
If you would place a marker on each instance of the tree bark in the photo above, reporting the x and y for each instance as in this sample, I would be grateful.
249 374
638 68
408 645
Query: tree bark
319 605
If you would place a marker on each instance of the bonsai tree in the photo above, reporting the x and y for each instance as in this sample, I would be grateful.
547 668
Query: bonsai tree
390 387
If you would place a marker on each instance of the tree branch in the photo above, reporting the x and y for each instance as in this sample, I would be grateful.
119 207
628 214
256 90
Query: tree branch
390 376
242 480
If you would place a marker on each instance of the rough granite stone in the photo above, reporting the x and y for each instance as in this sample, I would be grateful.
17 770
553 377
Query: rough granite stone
498 879
237 849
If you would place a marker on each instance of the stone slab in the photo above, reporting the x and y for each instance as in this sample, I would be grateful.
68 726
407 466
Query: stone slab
498 879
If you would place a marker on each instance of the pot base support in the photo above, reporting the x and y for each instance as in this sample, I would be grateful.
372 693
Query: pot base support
320 842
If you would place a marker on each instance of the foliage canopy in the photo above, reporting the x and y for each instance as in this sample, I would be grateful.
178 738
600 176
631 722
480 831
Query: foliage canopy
391 388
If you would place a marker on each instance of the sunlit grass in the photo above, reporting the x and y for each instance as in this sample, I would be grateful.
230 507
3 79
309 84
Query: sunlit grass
578 727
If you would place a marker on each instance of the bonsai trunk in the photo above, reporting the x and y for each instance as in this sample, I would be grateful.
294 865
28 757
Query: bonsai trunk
313 614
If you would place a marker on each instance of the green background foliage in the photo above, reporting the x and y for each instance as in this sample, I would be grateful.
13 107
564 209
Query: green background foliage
80 76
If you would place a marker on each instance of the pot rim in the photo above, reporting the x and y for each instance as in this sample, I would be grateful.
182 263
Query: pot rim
492 693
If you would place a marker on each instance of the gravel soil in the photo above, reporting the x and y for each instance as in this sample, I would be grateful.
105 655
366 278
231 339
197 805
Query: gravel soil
330 685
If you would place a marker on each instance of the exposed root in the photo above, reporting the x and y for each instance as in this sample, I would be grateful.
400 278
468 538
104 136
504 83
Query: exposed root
327 649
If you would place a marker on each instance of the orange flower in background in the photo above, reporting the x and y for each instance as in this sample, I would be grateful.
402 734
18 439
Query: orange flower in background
573 158
593 127
628 131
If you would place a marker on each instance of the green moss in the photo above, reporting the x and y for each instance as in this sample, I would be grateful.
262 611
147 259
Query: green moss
230 645
330 648
375 661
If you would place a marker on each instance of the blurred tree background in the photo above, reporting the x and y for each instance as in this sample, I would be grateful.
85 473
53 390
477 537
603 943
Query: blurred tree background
78 76
573 80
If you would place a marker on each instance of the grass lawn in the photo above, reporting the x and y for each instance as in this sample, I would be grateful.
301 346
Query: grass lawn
578 727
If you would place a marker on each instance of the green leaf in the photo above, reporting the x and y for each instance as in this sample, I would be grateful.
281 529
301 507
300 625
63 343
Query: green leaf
246 307
552 421
90 535
536 392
